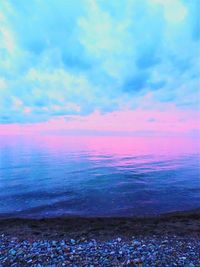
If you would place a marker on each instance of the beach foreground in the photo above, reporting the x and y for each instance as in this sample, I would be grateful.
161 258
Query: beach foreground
165 240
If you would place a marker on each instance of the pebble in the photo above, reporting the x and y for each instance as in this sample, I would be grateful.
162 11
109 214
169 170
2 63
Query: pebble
143 252
73 242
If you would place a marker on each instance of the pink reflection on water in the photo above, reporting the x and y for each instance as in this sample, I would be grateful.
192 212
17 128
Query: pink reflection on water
122 146
121 152
115 151
142 151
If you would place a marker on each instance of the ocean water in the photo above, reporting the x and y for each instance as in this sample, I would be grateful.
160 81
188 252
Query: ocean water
45 176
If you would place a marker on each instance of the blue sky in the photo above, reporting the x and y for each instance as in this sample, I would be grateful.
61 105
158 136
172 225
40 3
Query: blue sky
68 58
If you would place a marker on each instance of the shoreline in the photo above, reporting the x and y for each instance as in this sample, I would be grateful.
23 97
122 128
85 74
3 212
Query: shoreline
180 223
171 239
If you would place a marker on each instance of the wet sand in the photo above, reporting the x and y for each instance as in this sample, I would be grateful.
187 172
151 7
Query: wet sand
177 223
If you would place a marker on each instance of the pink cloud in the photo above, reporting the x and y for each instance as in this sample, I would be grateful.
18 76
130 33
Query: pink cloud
172 120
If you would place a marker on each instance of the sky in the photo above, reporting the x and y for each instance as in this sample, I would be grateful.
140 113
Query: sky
99 67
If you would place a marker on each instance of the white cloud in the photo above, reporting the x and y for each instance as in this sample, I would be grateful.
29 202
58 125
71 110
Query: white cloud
103 56
174 10
60 84
9 50
3 84
105 38
17 103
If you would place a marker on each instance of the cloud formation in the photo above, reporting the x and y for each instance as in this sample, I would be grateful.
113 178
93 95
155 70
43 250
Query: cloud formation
73 58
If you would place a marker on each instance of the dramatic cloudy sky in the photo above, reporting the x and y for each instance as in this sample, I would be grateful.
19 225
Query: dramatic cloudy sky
99 65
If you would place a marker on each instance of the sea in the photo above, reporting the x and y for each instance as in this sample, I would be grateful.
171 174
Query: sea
94 176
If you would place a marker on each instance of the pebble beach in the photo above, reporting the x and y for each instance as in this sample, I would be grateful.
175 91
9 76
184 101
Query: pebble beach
146 251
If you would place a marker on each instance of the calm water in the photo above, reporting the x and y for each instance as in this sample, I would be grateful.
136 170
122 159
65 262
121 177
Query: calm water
51 176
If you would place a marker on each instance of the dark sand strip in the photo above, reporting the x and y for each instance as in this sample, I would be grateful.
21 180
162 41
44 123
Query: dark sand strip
178 223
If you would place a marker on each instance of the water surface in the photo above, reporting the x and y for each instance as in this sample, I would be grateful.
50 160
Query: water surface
42 176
